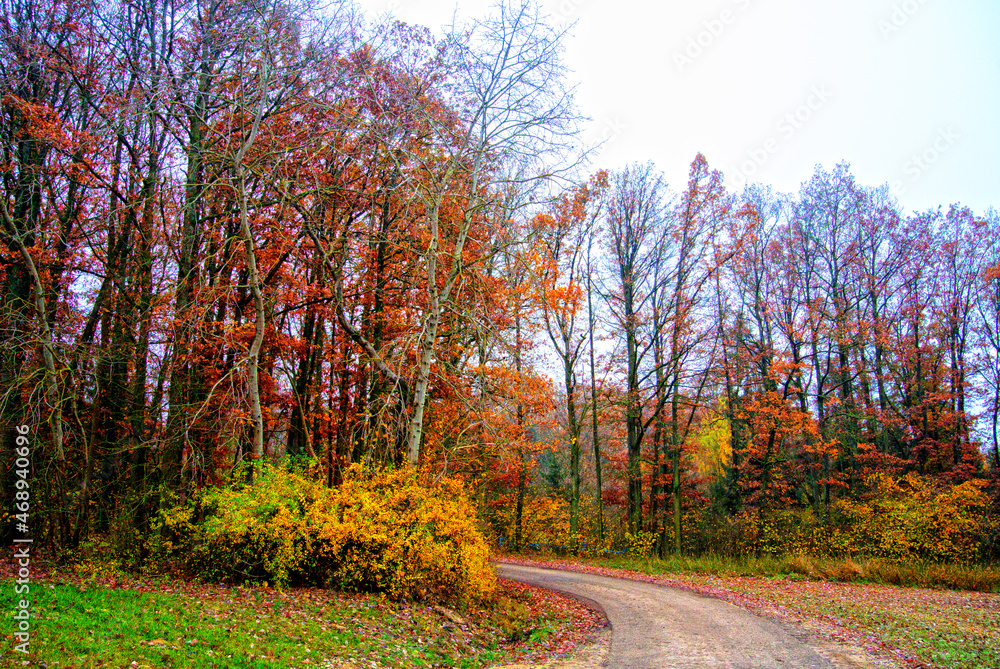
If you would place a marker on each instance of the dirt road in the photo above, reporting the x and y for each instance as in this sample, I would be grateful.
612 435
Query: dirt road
654 627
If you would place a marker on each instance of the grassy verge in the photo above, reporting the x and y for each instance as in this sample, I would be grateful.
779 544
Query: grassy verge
915 627
981 578
186 625
947 629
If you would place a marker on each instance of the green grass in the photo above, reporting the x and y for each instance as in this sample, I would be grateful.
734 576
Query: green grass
209 626
958 630
981 578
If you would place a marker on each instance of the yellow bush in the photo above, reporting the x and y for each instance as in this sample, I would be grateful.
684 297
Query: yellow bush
917 518
640 544
544 521
384 531
912 518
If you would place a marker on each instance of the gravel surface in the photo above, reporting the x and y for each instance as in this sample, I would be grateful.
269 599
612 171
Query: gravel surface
659 627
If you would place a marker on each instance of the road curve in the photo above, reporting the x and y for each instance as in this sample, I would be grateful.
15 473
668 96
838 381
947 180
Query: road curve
655 627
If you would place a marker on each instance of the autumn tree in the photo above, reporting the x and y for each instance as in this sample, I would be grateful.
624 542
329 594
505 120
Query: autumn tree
635 215
690 255
563 234
49 84
494 138
988 333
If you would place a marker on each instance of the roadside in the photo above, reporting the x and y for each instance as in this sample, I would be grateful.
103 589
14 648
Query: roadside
81 618
909 627
592 655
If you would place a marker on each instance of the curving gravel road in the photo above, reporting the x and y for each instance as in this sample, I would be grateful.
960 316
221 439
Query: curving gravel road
655 627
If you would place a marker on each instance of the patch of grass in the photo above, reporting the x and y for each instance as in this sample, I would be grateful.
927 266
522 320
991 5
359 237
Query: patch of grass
937 628
249 628
980 578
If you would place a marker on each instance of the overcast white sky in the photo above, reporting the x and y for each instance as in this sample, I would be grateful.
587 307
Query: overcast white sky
906 91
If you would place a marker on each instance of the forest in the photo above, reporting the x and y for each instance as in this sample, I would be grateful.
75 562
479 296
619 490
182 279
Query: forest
247 234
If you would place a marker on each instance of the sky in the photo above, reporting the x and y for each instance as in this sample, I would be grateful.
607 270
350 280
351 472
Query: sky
906 91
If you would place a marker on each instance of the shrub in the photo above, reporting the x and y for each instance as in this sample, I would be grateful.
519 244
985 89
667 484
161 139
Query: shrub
917 518
544 521
640 544
385 531
911 518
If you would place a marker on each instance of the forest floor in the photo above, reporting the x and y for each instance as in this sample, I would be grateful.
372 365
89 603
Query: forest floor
84 616
912 627
81 618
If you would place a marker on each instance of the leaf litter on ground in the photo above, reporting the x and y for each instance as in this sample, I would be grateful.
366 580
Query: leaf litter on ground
84 618
913 627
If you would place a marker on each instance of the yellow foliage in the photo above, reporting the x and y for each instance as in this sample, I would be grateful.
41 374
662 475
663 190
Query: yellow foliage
384 531
711 448
912 518
916 518
640 544
545 523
